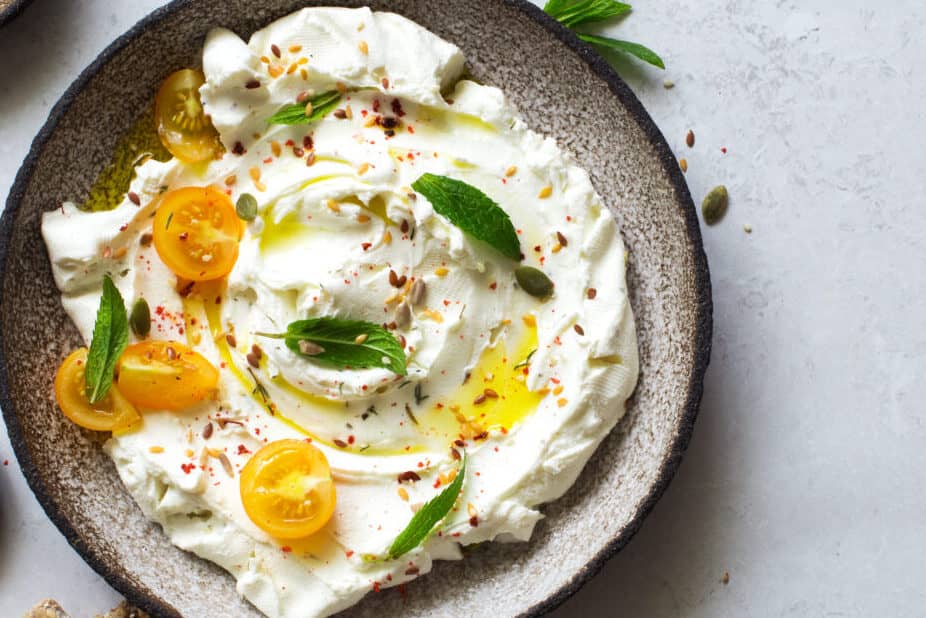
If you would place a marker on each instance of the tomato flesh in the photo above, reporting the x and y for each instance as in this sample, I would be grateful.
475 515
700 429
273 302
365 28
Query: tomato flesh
286 489
196 233
165 375
183 126
112 413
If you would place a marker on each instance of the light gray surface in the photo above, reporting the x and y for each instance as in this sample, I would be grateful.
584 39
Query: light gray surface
805 478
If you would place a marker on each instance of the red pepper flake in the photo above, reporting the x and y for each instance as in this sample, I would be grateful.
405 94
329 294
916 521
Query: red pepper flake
410 129
723 150
268 160
412 570
123 227
397 108
6 462
474 521
366 245
238 149
493 285
455 454
286 549
133 197
592 293
252 84
298 152
481 436
375 105
562 239
459 443
350 439
385 83
409 476
376 584
187 467
290 143
349 553
243 450
308 143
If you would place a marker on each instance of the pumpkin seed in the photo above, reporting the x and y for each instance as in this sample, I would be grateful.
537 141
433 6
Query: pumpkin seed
533 281
715 205
140 320
310 348
246 207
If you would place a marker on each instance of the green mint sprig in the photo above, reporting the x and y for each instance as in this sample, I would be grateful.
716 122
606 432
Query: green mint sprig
572 13
110 337
432 513
472 211
295 113
344 343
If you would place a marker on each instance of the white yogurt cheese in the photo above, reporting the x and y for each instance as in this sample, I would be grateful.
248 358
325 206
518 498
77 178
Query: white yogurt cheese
325 241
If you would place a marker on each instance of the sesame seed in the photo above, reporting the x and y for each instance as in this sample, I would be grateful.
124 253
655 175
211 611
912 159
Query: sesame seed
254 172
155 449
363 47
440 271
403 493
295 49
546 192
276 148
363 169
360 338
275 71
511 171
562 402
292 68
333 206
230 180
683 163
556 248
363 218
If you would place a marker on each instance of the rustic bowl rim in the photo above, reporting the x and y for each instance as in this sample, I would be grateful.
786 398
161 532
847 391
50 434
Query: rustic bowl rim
9 13
701 346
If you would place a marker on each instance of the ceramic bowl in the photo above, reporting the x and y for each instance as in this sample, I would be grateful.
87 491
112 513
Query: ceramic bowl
10 9
564 89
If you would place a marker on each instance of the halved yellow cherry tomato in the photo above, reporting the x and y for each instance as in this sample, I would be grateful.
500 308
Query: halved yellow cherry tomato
196 233
183 126
165 375
112 413
286 489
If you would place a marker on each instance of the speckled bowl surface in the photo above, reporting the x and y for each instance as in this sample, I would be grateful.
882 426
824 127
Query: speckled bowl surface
565 90
10 9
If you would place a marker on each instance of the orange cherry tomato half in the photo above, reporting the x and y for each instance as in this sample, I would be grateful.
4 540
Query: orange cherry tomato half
183 126
196 233
165 375
112 413
286 489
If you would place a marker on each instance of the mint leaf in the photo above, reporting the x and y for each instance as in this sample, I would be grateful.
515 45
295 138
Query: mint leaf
350 344
634 49
433 512
472 211
573 13
295 113
110 336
